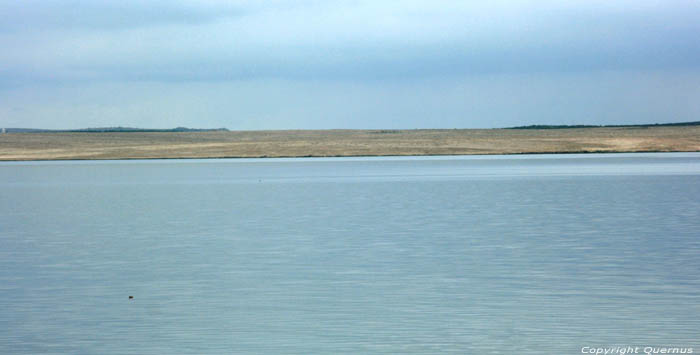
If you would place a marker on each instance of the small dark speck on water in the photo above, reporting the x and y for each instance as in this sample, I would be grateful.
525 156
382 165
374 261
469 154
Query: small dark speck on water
131 297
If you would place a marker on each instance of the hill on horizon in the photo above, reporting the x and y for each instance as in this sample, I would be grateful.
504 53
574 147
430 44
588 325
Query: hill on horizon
112 129
186 129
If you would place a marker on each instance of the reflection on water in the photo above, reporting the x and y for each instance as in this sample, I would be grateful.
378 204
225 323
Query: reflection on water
536 254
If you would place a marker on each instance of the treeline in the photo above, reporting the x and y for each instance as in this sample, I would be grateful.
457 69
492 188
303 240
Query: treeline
540 126
112 129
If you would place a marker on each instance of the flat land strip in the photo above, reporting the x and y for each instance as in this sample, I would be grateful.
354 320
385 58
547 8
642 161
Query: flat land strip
333 143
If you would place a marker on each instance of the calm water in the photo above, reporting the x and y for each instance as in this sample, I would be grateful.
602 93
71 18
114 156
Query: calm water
528 254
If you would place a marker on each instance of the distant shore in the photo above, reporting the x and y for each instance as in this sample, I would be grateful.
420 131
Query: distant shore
344 143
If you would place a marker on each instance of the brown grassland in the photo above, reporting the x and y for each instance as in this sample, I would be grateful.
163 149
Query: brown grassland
331 143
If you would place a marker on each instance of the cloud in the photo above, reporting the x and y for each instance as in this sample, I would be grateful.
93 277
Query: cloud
485 101
411 46
342 39
46 15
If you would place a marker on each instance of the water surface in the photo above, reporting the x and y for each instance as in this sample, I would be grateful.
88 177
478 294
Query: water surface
492 254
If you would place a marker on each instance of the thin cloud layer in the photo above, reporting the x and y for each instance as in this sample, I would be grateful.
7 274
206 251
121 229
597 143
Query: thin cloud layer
393 49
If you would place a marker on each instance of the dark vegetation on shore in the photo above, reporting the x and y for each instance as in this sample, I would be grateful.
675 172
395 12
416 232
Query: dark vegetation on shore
113 129
186 129
540 126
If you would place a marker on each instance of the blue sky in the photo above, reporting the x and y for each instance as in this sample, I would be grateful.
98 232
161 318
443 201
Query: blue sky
347 64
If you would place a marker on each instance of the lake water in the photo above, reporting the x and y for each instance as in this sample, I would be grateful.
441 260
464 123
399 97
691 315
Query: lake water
484 255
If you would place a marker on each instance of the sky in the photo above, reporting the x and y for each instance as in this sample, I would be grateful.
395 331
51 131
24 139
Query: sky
249 65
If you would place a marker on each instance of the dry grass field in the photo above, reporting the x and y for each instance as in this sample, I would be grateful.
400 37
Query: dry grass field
325 143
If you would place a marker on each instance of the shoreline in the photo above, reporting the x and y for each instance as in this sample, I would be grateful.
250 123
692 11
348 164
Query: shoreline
62 146
356 156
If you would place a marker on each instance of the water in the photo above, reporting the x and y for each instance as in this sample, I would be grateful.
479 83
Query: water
526 254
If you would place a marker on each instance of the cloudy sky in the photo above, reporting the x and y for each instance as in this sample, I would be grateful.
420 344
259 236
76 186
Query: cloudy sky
347 64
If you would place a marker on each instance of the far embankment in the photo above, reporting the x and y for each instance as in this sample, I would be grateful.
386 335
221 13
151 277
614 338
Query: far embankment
332 143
